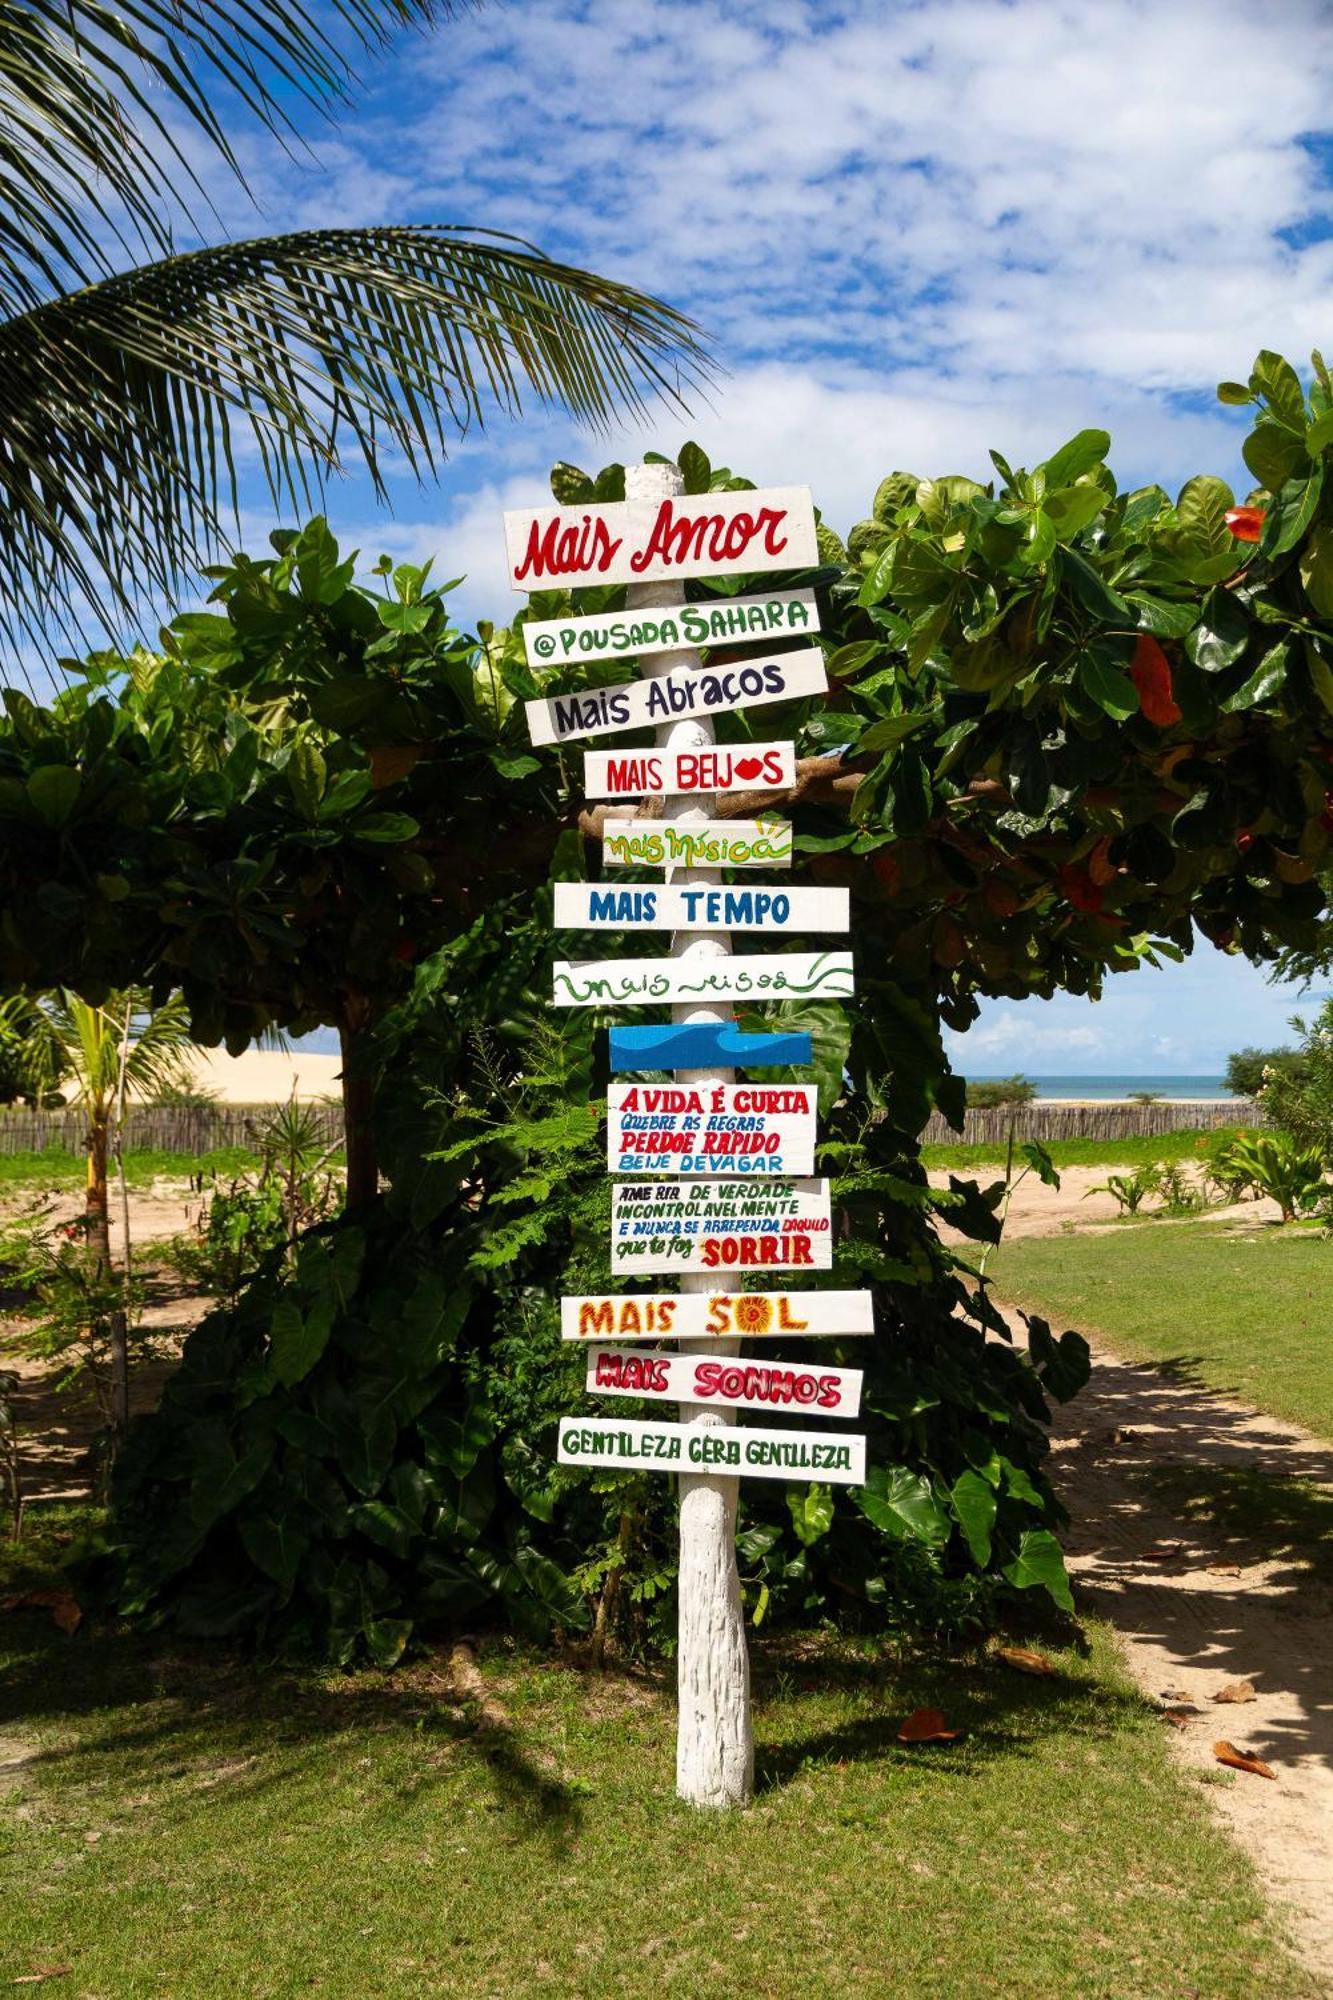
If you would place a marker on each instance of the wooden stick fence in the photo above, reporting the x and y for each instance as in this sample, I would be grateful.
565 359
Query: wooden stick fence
1049 1122
179 1128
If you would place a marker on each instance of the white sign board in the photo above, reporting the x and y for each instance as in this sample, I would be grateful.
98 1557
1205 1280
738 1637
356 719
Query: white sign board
716 843
727 1383
717 1316
641 982
714 1128
720 621
598 906
736 1225
673 697
768 1454
634 541
723 767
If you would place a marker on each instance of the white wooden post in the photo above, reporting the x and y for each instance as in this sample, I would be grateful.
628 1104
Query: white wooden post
714 1740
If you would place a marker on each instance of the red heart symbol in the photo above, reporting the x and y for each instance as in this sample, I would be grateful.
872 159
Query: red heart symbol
749 767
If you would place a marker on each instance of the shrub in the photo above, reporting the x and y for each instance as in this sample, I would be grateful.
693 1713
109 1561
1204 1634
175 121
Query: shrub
992 1092
1276 1165
1247 1068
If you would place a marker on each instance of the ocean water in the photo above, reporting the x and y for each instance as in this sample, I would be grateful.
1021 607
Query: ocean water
1108 1087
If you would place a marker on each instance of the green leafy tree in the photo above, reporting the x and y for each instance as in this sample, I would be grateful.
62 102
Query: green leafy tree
1248 1069
122 388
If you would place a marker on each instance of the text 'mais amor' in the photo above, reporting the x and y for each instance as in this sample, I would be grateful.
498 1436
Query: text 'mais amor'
632 541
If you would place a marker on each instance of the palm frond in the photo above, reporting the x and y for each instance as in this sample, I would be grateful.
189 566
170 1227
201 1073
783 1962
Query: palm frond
92 95
118 402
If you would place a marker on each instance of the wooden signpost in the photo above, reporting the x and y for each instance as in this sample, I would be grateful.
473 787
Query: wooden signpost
690 691
727 1128
735 1205
737 1385
638 540
717 843
742 767
642 982
716 1316
720 621
720 1225
637 1446
582 906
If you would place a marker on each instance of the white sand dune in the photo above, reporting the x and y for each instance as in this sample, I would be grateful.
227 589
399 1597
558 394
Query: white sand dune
262 1076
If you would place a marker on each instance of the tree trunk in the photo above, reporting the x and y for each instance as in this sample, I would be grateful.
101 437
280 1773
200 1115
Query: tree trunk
363 1173
98 1210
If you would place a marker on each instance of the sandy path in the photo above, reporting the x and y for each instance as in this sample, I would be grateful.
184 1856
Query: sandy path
1037 1210
1188 1629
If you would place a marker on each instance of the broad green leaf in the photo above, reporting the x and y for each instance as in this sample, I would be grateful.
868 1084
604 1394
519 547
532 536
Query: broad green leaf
1234 392
1074 459
811 1512
1291 513
53 792
1268 679
892 731
1276 381
696 468
276 1544
1320 434
306 777
1091 590
1221 635
386 827
1316 567
569 486
1040 1564
1201 510
1113 691
1071 508
903 1504
878 577
973 1501
1273 454
297 1340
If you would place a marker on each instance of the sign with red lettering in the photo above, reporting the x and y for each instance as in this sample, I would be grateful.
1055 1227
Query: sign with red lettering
670 697
719 621
711 1128
636 1446
741 1225
628 541
602 906
741 767
717 1316
726 1383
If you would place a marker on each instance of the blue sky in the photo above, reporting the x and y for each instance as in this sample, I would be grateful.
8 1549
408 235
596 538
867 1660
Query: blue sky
912 231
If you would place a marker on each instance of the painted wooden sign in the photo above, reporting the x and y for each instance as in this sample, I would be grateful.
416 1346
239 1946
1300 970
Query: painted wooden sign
717 843
711 1128
628 541
707 1045
587 906
671 697
642 982
719 621
640 1446
727 1383
734 767
718 1225
626 1316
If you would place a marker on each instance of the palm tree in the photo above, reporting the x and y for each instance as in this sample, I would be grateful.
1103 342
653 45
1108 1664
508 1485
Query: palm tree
120 389
121 1049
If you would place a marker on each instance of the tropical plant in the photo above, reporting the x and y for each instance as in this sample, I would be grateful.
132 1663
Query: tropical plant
1249 1069
994 1092
247 1217
30 1069
121 388
1130 1191
1278 1167
1298 1097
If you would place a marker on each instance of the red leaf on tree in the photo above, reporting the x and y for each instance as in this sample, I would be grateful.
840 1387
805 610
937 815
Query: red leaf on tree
1079 888
1151 675
1246 523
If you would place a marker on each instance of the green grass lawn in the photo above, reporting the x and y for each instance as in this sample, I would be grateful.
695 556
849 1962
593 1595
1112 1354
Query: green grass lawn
56 1169
193 1827
1250 1315
1192 1145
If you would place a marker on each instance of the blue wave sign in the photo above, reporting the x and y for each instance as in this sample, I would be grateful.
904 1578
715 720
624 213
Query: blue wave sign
705 1045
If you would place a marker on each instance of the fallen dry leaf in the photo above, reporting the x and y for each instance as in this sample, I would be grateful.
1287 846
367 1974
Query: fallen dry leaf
1227 1753
1026 1661
1164 1551
62 1604
1236 1691
39 1973
1179 1718
1224 1569
926 1725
